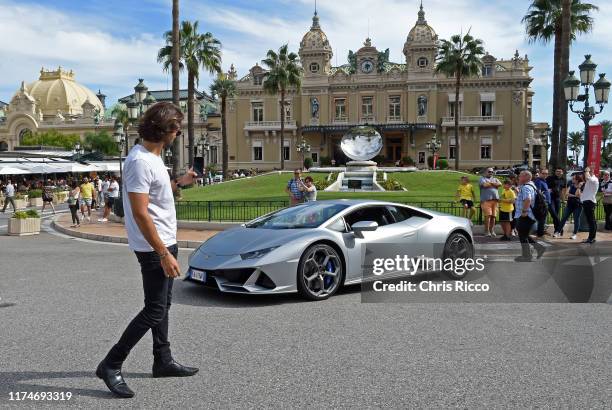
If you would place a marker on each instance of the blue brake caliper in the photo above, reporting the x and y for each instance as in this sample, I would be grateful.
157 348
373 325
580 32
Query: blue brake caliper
330 268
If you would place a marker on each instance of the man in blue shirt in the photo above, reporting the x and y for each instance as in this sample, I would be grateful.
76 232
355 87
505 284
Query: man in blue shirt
294 188
542 186
524 217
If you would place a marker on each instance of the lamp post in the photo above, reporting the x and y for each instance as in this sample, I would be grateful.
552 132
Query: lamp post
78 151
601 87
303 147
168 155
545 142
433 146
120 139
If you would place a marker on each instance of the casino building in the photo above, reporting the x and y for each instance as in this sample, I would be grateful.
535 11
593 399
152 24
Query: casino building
406 102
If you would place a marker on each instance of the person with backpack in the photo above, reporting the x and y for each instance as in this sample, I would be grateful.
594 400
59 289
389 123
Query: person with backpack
542 187
528 208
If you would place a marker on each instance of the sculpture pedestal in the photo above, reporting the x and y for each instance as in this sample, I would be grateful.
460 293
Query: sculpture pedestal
359 166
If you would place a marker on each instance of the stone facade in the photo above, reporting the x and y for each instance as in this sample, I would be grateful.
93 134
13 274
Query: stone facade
407 102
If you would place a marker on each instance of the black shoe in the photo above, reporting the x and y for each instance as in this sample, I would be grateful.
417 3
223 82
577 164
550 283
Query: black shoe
114 380
523 259
589 241
505 238
173 369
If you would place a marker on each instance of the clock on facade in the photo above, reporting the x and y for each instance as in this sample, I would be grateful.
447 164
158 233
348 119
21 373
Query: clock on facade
367 66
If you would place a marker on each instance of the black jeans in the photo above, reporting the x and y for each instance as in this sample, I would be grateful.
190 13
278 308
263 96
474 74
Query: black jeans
553 209
541 223
74 209
589 212
523 226
608 211
158 295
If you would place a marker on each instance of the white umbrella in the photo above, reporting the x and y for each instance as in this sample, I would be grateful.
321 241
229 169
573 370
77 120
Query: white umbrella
13 171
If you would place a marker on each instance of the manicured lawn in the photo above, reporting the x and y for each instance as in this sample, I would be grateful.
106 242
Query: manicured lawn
422 186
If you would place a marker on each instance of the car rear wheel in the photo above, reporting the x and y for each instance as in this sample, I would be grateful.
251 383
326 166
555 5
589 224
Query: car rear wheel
457 246
319 272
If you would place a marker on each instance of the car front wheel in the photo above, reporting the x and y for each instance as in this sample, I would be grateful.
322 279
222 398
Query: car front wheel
457 246
319 272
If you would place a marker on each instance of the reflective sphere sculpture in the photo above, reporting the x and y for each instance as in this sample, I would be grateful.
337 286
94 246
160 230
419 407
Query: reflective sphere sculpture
361 143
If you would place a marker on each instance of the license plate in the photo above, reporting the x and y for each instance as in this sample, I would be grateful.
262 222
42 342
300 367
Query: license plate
198 275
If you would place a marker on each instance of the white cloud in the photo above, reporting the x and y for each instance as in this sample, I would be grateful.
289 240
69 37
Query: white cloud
34 36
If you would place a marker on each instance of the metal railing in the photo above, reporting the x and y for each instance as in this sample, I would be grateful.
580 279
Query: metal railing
269 125
241 211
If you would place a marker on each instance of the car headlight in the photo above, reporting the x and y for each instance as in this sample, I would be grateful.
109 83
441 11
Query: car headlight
258 253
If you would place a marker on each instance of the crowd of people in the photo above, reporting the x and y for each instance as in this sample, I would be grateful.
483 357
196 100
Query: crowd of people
84 195
525 200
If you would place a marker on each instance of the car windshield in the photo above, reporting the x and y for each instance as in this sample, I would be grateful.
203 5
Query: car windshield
309 215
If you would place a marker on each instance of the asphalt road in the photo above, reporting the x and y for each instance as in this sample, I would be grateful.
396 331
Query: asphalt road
65 302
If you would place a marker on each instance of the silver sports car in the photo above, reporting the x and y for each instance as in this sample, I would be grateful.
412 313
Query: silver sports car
316 247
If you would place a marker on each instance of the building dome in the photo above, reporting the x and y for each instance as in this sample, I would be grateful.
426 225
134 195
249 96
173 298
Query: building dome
57 92
315 39
421 33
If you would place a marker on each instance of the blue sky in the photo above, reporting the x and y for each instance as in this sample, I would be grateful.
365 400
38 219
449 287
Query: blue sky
112 43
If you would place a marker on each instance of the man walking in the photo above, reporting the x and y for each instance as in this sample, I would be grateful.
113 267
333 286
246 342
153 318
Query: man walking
540 183
47 196
9 196
87 193
489 198
589 192
557 186
525 218
150 221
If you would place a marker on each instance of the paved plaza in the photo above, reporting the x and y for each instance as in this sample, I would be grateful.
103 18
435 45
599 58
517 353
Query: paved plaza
65 301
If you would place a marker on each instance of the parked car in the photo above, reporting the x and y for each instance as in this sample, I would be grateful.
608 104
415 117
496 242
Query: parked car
218 178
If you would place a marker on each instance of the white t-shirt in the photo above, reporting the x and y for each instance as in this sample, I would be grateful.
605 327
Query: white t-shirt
589 191
144 172
115 192
10 191
105 186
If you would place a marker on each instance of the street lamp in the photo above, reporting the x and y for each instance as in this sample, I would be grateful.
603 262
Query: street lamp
78 151
120 138
303 147
601 88
433 146
168 155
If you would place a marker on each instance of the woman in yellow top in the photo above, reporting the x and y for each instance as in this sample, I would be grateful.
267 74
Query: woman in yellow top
506 209
467 196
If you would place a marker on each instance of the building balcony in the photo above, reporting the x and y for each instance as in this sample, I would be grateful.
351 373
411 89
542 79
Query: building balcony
343 120
474 121
269 125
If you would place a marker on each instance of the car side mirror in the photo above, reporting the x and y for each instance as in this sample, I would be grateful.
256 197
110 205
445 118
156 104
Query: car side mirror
363 226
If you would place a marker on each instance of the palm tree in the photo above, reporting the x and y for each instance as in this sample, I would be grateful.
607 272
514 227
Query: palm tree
195 50
283 72
459 57
543 22
576 141
176 90
223 88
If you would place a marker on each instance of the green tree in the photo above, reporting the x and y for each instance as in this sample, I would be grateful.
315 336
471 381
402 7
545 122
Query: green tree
575 143
51 138
223 88
196 50
459 57
543 22
102 142
283 73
